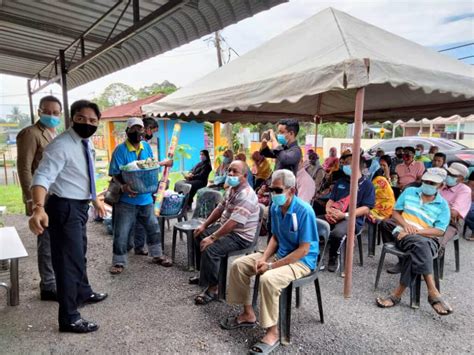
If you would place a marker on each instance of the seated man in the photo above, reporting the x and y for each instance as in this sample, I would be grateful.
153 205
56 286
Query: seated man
337 208
133 207
439 160
238 220
458 197
292 253
410 171
421 216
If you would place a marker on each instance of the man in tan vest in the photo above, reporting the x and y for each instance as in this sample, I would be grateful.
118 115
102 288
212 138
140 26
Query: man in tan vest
31 142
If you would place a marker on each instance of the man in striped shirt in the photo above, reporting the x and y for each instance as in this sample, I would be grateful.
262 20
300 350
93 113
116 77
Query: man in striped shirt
421 216
231 226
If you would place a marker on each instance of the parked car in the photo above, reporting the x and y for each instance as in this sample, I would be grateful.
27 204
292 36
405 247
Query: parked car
455 152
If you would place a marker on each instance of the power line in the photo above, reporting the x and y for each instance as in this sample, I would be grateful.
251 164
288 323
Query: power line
469 56
461 46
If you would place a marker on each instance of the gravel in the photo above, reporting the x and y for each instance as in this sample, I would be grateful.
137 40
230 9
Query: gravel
150 309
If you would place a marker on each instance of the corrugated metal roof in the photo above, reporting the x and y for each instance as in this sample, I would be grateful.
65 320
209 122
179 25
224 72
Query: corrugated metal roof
130 109
33 32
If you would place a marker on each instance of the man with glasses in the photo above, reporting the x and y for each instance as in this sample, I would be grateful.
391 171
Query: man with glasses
133 207
67 173
410 171
231 226
31 143
421 216
291 253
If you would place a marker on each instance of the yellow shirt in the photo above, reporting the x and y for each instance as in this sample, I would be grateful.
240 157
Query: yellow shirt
264 171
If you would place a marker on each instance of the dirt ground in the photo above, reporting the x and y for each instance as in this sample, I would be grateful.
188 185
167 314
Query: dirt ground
150 309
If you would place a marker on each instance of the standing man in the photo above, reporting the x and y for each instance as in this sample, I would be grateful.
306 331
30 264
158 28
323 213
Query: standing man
31 142
283 147
134 208
67 173
151 127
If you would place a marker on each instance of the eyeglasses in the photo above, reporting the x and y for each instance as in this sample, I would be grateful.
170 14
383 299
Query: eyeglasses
277 190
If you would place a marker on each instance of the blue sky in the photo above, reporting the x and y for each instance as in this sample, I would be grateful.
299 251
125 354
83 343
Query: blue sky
438 24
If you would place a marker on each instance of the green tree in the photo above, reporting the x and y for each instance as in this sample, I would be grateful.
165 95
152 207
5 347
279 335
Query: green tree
116 94
157 88
22 119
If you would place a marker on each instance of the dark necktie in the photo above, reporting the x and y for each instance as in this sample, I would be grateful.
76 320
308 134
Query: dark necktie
90 166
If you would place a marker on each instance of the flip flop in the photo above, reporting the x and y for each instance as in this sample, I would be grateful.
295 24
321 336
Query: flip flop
163 261
116 269
263 348
205 298
232 323
395 300
439 300
194 280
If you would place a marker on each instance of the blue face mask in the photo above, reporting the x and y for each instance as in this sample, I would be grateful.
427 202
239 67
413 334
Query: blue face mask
232 181
50 121
226 160
279 199
418 154
281 139
428 190
347 170
451 181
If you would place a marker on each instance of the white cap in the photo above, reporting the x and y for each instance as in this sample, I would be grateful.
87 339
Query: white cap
134 121
457 169
437 175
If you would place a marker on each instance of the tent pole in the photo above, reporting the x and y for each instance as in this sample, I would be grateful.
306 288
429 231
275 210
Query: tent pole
317 119
458 128
359 112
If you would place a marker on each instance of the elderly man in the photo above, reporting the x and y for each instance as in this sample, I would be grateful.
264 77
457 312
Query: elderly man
262 168
410 171
291 253
284 146
134 207
421 217
67 173
231 226
458 196
337 208
31 143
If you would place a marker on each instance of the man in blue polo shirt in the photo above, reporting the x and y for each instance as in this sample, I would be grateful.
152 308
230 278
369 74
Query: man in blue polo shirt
421 216
337 208
134 207
292 253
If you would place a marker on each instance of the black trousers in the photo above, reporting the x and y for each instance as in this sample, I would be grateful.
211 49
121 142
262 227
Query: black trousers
195 186
67 230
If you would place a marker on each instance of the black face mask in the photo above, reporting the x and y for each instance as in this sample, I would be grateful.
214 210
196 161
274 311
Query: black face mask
135 137
84 130
148 136
399 155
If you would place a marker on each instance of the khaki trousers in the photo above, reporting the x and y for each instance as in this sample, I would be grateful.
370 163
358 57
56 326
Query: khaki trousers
272 282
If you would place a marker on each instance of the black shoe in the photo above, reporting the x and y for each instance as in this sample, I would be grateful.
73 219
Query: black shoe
49 296
332 264
396 269
194 280
141 252
79 326
95 297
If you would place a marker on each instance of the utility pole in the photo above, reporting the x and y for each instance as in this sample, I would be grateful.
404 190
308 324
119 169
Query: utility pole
218 47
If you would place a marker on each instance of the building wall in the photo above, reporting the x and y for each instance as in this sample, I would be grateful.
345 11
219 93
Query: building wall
192 133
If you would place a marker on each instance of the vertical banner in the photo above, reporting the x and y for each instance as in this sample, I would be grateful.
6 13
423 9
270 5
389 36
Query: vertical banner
166 171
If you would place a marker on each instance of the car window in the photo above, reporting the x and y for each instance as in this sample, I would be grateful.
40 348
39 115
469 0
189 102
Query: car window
389 146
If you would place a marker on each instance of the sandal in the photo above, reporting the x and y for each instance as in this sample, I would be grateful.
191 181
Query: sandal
439 300
163 261
205 298
141 252
116 269
232 323
395 300
263 348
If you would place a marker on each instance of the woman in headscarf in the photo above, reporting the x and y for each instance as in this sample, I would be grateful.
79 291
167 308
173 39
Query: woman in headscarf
198 176
384 196
332 162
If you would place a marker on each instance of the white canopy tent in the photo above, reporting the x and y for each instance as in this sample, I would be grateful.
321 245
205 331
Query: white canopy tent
336 67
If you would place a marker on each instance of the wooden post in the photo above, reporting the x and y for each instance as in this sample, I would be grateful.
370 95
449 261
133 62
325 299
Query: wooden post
5 169
359 112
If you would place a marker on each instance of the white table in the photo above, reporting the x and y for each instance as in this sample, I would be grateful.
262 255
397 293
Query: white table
11 248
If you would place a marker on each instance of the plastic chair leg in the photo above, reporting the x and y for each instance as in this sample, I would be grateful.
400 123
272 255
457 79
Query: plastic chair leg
372 232
361 252
379 269
190 247
255 291
441 267
285 315
415 289
436 267
299 295
320 301
379 234
173 244
161 222
456 254
222 278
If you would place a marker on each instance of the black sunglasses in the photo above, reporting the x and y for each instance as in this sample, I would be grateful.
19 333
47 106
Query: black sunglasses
277 190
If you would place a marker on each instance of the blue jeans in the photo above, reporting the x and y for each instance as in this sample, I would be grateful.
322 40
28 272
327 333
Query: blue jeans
139 236
125 218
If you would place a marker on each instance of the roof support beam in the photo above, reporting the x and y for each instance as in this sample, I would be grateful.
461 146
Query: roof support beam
26 55
47 27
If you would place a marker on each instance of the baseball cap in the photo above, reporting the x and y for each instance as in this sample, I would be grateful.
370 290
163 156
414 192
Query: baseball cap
458 169
134 121
437 175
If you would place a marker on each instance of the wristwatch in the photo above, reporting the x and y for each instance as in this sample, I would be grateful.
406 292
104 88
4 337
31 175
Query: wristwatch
346 215
270 266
